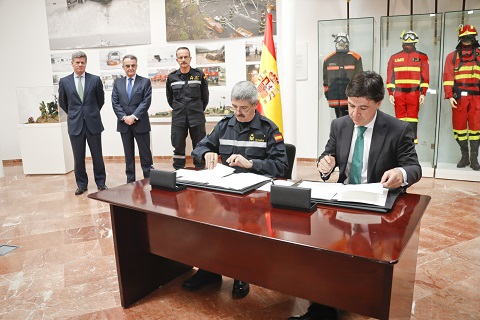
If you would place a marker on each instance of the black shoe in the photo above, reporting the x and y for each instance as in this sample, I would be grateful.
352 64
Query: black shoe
100 188
80 190
240 289
201 279
326 313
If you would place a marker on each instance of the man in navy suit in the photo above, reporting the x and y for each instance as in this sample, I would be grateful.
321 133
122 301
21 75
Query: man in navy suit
81 96
389 155
131 98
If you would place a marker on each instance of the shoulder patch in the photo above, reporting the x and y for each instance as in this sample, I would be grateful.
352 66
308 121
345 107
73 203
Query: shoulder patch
278 137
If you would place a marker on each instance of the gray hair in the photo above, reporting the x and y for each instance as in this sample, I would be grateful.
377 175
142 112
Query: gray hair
246 91
79 54
130 56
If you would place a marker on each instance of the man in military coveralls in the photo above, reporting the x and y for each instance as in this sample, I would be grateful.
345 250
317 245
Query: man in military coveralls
187 95
249 142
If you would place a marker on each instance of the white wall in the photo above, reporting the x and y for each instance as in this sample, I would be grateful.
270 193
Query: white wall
25 57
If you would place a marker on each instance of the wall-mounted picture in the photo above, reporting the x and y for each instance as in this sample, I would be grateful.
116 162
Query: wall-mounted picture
61 62
57 76
162 57
252 71
209 53
108 77
199 19
97 23
159 76
111 59
215 75
253 50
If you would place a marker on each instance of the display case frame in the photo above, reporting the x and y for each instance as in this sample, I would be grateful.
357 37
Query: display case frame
361 33
448 151
429 28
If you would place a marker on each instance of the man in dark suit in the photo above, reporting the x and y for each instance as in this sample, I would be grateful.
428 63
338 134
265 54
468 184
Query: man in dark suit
131 98
81 96
388 155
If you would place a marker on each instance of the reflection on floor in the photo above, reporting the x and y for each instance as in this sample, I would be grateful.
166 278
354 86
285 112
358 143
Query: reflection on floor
65 266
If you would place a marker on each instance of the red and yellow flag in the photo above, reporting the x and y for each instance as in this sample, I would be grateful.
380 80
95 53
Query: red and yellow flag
268 86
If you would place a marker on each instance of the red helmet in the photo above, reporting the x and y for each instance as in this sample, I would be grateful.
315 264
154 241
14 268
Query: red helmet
466 30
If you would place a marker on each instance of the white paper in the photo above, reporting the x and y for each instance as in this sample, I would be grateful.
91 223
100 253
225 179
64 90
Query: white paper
321 190
238 181
267 186
370 193
204 176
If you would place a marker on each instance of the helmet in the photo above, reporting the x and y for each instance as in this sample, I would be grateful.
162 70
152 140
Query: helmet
341 37
466 30
409 37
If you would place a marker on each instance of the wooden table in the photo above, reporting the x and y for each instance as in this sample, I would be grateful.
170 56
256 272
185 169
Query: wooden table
352 260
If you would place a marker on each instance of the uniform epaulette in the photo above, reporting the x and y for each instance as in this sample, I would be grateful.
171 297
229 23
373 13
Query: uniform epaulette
356 55
331 54
263 118
421 53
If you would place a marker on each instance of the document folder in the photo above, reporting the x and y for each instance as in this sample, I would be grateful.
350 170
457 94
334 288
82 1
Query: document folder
391 197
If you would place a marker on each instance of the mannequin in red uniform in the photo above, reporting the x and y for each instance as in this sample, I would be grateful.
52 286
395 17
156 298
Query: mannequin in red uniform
461 82
407 80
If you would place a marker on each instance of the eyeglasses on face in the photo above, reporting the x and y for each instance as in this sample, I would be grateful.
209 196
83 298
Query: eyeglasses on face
242 108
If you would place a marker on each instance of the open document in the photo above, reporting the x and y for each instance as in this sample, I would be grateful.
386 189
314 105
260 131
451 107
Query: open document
221 178
368 193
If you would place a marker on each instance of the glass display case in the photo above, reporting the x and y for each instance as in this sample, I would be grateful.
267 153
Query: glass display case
458 137
410 51
345 47
44 141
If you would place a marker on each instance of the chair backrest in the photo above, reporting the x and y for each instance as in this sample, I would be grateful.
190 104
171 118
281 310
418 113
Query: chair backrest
291 151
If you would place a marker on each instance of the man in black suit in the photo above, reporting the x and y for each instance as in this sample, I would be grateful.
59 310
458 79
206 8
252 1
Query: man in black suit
131 98
389 155
81 96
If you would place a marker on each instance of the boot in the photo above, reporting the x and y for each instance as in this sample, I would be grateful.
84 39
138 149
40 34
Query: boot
464 149
474 154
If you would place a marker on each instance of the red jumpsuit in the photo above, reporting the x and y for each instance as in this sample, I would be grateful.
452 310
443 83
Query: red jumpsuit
407 79
461 80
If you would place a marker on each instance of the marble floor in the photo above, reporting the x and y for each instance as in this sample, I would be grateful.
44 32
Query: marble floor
65 268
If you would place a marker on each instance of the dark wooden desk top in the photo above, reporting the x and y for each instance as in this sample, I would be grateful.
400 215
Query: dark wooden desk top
379 237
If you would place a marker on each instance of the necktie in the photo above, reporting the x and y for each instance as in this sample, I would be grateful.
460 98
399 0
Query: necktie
129 88
80 88
357 158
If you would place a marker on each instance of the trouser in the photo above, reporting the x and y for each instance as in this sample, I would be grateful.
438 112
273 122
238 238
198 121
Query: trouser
143 143
79 148
466 118
407 105
178 137
341 111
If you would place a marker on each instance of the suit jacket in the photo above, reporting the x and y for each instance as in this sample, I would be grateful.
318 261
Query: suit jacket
138 104
77 111
392 146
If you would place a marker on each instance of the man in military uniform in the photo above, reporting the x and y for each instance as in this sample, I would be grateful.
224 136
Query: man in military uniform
461 83
407 80
187 95
249 142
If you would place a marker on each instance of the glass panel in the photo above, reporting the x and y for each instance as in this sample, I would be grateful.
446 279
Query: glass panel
409 61
340 63
449 152
39 105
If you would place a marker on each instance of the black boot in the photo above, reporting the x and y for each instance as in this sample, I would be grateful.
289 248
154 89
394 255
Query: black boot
464 150
474 154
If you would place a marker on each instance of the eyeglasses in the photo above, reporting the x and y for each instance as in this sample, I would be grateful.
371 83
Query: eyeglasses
244 109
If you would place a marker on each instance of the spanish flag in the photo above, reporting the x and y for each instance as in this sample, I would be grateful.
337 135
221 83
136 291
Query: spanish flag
268 86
